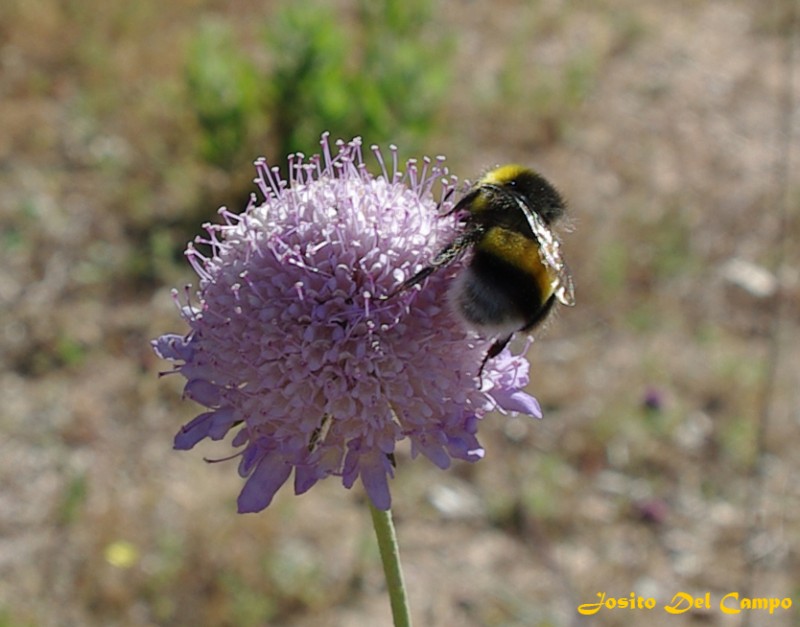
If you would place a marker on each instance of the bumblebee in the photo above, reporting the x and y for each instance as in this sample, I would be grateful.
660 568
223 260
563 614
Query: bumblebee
516 273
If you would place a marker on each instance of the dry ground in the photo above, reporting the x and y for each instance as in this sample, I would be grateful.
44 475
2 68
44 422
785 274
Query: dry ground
663 123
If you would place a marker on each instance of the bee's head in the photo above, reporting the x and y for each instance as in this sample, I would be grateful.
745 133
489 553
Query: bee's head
530 186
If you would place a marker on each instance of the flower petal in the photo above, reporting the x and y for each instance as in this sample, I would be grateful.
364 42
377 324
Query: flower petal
431 447
203 392
517 401
224 418
173 346
193 431
375 470
269 475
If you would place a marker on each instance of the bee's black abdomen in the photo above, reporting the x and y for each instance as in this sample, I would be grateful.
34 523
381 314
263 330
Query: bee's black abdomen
494 293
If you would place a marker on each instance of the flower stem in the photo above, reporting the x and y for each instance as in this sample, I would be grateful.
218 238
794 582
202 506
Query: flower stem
390 556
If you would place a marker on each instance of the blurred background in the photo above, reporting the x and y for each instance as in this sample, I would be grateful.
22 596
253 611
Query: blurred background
667 458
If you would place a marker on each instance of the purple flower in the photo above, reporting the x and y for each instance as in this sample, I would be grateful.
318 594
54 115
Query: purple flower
293 345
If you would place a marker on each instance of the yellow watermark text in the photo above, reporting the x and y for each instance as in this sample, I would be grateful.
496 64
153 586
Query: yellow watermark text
681 602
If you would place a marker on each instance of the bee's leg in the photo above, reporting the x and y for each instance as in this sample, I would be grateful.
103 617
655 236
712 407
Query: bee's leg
444 199
463 203
494 350
443 258
419 277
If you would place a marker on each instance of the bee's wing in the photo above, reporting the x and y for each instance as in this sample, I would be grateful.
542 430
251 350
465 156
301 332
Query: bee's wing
550 254
565 289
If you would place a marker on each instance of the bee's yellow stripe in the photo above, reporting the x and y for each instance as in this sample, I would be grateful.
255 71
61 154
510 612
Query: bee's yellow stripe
503 174
521 252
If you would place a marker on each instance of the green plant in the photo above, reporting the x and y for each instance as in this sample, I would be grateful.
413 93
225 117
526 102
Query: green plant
224 92
309 89
382 82
377 77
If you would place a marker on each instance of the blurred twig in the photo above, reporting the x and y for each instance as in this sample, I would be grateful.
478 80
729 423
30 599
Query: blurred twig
766 401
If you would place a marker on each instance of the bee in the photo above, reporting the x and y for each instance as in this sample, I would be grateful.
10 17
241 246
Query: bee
516 272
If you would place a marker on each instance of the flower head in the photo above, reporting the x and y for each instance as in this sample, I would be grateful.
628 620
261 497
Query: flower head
294 345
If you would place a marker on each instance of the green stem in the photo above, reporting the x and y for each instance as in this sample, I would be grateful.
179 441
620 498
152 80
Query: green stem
390 556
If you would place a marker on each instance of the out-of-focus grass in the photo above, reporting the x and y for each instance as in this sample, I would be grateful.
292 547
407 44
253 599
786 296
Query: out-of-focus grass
382 76
224 93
